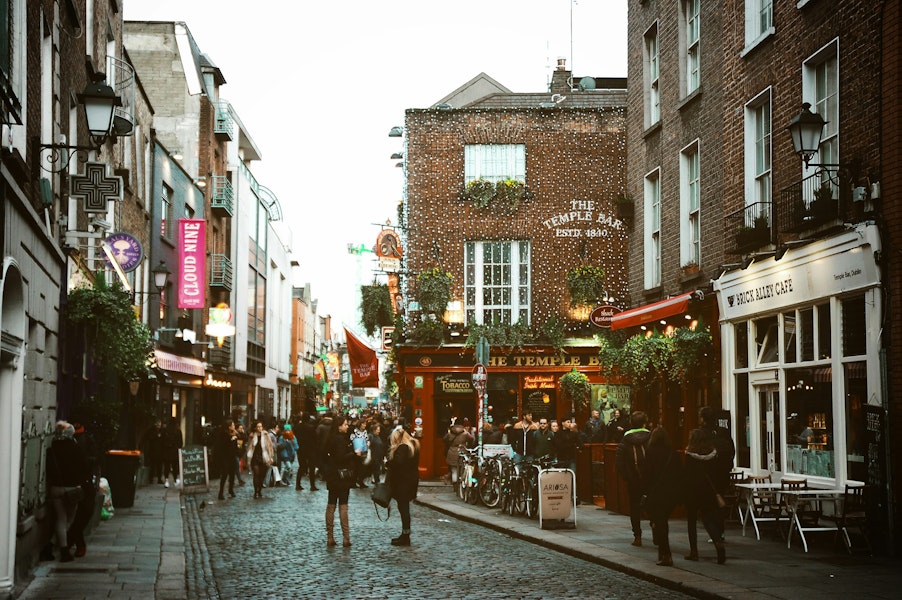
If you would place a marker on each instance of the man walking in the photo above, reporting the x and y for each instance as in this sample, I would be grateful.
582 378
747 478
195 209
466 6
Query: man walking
726 452
631 465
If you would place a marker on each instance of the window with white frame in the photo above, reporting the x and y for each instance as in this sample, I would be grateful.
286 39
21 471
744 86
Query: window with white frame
759 20
758 153
494 162
496 281
652 69
689 39
653 229
690 205
820 88
167 224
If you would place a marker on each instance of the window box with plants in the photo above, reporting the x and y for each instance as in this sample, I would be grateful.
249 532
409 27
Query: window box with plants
505 193
689 269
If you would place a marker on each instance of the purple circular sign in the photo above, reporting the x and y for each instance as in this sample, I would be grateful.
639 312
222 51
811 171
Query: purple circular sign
126 249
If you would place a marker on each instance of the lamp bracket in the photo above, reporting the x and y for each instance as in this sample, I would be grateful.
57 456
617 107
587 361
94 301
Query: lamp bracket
61 154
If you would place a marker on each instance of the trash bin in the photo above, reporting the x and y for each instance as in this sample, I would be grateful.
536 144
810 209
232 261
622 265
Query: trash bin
120 467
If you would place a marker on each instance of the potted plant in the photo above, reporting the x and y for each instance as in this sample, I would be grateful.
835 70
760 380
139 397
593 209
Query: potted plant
375 307
575 387
586 284
823 207
510 192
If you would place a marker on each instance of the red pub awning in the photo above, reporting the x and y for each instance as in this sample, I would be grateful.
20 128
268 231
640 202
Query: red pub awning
651 312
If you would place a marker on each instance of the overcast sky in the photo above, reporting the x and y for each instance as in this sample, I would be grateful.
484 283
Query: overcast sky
318 85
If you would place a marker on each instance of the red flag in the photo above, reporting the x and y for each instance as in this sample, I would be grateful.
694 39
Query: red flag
364 364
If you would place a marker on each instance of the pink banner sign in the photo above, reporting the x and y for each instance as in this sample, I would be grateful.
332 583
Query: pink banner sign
192 263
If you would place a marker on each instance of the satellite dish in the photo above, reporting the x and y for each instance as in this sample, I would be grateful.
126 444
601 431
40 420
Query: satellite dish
587 83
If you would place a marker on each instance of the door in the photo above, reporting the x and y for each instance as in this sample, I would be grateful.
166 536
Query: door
770 457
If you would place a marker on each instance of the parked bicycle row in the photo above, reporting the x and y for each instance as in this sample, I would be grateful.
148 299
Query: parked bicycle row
500 481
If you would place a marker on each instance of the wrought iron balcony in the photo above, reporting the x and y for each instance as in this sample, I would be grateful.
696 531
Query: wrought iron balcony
121 77
749 228
225 122
222 198
812 203
221 272
221 355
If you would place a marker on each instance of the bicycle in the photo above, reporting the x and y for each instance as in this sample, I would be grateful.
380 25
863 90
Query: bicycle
489 481
531 483
467 471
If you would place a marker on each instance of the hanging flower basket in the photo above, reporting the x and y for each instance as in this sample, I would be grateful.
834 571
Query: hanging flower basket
375 307
575 387
586 284
434 291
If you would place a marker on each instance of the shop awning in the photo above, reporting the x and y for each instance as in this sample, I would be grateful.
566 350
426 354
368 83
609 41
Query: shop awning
180 364
651 312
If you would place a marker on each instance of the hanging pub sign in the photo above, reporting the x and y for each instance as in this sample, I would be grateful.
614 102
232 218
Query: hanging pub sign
602 315
389 251
220 325
126 249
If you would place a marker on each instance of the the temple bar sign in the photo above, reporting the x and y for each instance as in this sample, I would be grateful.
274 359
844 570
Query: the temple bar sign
533 360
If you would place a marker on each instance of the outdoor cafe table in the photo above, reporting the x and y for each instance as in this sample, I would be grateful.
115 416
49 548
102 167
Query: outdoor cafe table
797 499
793 500
749 492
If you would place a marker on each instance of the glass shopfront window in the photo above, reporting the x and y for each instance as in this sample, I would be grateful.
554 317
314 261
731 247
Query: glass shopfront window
809 422
743 422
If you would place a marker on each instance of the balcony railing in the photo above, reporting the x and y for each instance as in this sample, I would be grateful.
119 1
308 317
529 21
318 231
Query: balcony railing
221 355
121 77
749 228
221 272
225 121
809 204
222 199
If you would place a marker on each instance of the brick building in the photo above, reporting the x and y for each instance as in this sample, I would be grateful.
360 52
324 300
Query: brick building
795 252
509 255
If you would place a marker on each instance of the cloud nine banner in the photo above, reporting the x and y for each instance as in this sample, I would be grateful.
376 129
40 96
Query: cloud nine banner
192 263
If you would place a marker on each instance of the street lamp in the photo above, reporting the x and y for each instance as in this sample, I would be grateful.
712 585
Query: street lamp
160 276
806 129
99 102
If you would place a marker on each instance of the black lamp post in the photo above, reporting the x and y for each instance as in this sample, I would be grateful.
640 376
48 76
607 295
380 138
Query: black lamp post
806 129
99 101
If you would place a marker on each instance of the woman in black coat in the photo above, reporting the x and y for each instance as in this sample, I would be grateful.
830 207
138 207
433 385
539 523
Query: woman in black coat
403 477
67 470
701 494
340 462
662 479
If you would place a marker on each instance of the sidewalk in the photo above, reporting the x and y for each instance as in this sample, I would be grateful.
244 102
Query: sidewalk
139 553
754 569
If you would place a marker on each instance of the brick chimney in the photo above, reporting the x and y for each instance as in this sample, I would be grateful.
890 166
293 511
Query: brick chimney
560 79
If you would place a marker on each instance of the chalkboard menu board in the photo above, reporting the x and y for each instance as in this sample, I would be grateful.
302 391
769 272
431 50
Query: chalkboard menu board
193 468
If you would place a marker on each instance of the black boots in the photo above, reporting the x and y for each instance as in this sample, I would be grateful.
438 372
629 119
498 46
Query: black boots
721 552
401 540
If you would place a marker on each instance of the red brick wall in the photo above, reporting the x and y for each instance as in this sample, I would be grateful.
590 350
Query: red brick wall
571 155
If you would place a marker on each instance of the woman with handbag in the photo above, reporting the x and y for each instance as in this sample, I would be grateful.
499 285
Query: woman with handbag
67 469
340 462
260 456
701 495
403 477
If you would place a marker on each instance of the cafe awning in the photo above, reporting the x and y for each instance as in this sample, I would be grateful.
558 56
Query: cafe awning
652 312
180 364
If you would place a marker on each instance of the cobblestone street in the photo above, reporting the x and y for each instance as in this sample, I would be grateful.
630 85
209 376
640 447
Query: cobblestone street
275 548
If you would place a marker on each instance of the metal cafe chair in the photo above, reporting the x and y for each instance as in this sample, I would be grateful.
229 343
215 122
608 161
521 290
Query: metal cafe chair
732 496
853 516
763 504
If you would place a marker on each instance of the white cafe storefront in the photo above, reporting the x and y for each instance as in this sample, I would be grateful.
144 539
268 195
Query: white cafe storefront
802 362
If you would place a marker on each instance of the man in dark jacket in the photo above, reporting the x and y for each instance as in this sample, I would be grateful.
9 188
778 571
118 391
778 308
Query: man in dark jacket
308 452
225 450
630 466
